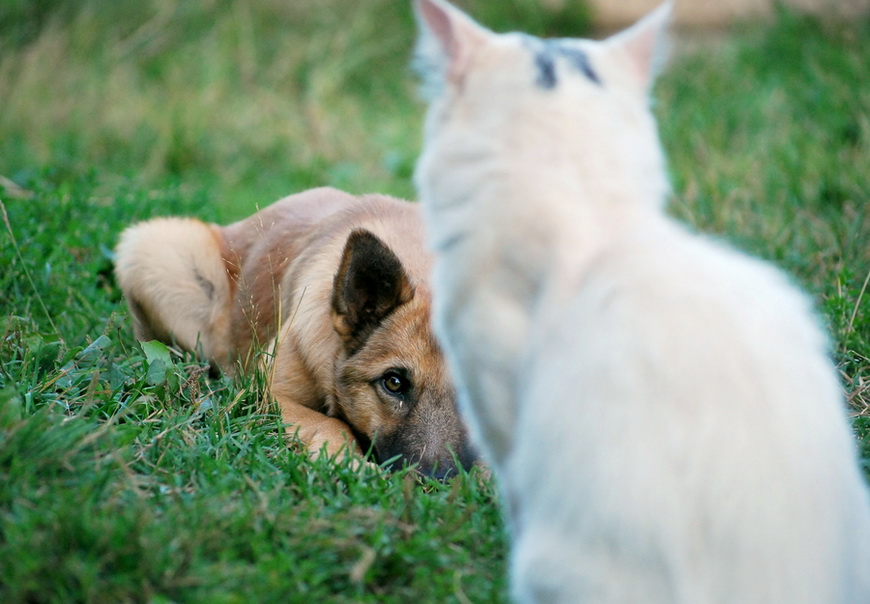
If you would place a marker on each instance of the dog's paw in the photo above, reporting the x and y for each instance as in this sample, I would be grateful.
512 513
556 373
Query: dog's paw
328 436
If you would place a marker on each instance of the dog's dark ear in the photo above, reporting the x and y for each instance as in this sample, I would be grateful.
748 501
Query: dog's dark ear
369 285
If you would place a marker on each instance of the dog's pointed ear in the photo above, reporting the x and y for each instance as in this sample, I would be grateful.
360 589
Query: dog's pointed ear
646 44
448 38
369 285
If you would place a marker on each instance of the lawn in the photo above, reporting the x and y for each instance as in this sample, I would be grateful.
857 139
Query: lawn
127 474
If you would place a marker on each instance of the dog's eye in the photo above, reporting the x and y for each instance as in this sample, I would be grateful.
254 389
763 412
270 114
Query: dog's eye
395 383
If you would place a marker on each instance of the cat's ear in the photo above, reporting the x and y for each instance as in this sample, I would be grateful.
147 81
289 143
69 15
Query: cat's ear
646 44
448 39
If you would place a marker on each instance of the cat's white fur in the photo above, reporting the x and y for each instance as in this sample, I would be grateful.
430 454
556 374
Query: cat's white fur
659 409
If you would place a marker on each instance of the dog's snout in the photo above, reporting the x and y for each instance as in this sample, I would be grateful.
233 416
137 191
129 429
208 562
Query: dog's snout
441 463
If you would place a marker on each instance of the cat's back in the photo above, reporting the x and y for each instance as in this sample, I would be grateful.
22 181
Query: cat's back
671 277
696 403
704 342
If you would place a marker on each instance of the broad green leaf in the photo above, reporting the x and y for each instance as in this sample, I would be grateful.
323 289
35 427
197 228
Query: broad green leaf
156 351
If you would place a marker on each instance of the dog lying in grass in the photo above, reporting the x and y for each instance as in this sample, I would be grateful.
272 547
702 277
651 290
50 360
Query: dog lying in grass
660 410
336 287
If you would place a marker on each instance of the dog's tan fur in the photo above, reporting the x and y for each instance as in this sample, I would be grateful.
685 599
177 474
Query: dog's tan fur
305 278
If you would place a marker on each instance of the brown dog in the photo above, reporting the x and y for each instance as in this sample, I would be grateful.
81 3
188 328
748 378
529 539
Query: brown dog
335 286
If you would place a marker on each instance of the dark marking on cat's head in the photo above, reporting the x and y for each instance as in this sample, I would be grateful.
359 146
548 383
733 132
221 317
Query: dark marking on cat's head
546 67
580 61
547 52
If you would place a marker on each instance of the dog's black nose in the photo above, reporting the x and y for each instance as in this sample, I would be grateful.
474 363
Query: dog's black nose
439 473
441 461
446 466
438 469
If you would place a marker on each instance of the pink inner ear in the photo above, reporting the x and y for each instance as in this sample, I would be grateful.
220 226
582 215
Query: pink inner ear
641 48
456 33
644 43
440 25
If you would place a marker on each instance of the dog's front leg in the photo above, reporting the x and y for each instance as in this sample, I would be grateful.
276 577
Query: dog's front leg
292 386
319 432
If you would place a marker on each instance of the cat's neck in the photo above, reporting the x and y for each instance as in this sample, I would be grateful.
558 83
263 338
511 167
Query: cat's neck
515 194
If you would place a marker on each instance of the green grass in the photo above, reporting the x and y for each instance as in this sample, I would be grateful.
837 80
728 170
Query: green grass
129 477
249 100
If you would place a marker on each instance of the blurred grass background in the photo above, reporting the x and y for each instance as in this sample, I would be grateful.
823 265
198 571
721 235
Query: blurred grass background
251 99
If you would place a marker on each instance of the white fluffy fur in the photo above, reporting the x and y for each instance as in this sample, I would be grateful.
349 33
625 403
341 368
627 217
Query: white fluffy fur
660 410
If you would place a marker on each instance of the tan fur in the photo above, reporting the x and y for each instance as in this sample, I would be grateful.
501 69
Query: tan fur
163 298
266 283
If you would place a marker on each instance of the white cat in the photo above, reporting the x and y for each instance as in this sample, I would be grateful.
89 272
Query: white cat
660 410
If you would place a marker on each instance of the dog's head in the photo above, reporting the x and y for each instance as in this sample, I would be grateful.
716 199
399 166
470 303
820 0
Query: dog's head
392 385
